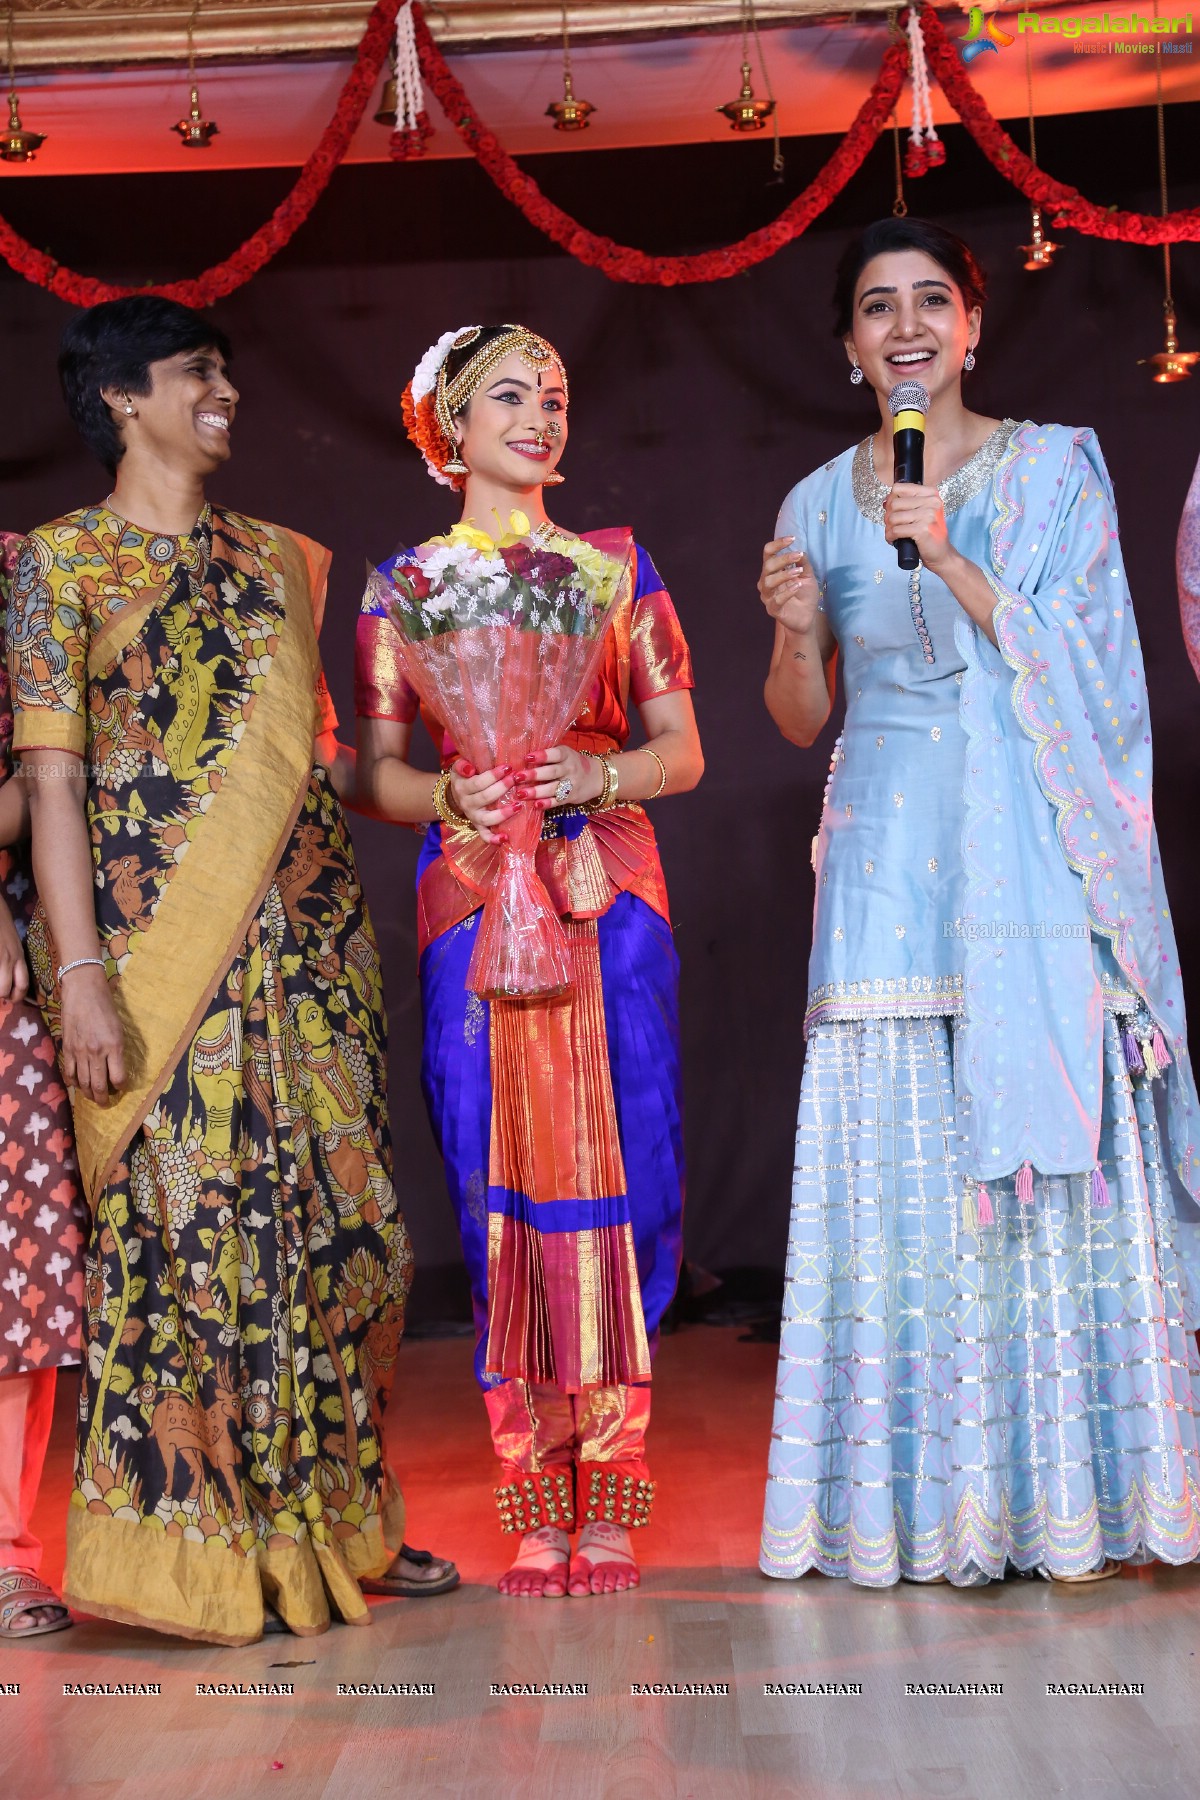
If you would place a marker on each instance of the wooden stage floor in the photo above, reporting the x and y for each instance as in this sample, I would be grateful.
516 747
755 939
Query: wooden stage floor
703 1615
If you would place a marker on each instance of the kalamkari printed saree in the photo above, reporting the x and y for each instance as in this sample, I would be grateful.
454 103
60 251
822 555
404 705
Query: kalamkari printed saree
248 1265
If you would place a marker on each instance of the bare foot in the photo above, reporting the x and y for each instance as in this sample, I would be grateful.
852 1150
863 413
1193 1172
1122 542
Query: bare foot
604 1562
540 1571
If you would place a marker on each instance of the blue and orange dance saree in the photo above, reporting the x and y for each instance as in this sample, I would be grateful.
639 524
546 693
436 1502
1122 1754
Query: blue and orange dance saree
560 1120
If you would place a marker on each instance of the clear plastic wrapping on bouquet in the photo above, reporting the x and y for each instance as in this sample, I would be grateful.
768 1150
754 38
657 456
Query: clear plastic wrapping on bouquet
502 644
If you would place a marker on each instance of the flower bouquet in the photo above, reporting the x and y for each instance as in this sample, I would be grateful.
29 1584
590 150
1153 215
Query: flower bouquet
502 641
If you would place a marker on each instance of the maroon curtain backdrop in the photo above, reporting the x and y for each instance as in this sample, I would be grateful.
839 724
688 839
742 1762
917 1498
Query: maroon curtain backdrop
693 412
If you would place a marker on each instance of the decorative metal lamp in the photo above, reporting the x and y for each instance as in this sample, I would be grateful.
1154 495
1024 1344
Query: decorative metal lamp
569 114
1170 363
17 145
195 132
748 112
1039 252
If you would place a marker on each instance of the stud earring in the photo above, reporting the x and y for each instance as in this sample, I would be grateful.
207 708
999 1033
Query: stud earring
856 375
129 409
969 361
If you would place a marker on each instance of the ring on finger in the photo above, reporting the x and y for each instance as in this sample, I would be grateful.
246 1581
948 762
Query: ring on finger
563 791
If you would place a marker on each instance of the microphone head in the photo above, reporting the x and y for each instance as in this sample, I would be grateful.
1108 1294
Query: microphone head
908 396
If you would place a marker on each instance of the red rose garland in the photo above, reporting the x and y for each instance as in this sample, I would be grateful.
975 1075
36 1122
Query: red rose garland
1069 206
269 239
618 261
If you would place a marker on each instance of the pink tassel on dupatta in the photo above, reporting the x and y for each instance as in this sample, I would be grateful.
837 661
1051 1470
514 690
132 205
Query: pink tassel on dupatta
983 1206
1162 1055
1025 1184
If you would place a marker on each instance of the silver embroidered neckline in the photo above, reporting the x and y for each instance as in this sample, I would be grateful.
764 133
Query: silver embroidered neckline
956 490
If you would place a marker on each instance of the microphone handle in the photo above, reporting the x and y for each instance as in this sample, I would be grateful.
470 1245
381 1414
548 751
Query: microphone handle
908 449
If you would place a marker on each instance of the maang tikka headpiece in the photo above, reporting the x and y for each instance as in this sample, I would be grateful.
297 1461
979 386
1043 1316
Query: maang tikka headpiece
431 401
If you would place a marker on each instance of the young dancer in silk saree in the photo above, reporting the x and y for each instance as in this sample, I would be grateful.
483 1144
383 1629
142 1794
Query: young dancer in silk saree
211 976
987 1358
559 1120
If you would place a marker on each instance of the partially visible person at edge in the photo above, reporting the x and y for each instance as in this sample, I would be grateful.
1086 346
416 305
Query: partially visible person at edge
987 1360
1187 569
569 1189
211 977
42 1217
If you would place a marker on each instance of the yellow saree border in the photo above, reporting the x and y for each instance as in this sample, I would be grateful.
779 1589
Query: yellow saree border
136 1575
199 923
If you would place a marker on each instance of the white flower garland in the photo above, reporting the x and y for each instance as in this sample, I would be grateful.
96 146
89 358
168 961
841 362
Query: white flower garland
410 97
426 372
425 380
923 133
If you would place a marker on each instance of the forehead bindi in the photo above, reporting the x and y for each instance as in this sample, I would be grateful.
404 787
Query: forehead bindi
514 372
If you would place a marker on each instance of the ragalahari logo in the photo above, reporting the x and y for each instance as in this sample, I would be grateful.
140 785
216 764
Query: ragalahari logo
982 34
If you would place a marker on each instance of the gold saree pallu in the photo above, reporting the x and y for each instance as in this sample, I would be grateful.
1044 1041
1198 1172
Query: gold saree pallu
564 1301
203 911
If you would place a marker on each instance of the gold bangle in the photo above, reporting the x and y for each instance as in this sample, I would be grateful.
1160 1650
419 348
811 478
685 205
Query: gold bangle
444 808
645 750
607 797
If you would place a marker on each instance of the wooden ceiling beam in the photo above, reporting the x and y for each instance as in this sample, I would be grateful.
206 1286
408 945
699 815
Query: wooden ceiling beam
64 34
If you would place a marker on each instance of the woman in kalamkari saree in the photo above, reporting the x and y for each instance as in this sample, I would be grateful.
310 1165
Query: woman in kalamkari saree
210 975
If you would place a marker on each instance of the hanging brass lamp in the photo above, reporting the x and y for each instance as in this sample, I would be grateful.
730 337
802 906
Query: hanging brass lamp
569 114
195 131
17 145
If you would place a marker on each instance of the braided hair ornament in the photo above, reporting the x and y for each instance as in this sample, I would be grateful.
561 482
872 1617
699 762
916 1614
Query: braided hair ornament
431 400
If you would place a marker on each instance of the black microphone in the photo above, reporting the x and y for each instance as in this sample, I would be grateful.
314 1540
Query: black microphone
908 403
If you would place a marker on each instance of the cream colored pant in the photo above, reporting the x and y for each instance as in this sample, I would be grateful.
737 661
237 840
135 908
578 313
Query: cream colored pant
26 1410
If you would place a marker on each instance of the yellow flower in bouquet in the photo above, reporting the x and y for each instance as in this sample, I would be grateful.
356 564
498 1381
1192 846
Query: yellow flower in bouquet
465 534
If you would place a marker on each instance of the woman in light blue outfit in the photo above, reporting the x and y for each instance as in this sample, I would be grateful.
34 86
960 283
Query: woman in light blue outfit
987 1355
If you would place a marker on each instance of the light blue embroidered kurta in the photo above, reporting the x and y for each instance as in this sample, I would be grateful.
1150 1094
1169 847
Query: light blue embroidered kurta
991 947
888 931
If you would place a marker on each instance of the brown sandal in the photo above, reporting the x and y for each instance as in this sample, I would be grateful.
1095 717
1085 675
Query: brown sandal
1108 1568
21 1592
406 1586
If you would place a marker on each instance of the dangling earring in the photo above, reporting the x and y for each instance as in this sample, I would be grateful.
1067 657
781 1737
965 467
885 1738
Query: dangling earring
856 375
456 465
553 478
969 361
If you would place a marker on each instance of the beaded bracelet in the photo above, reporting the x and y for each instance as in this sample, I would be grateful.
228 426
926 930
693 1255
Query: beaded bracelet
645 750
